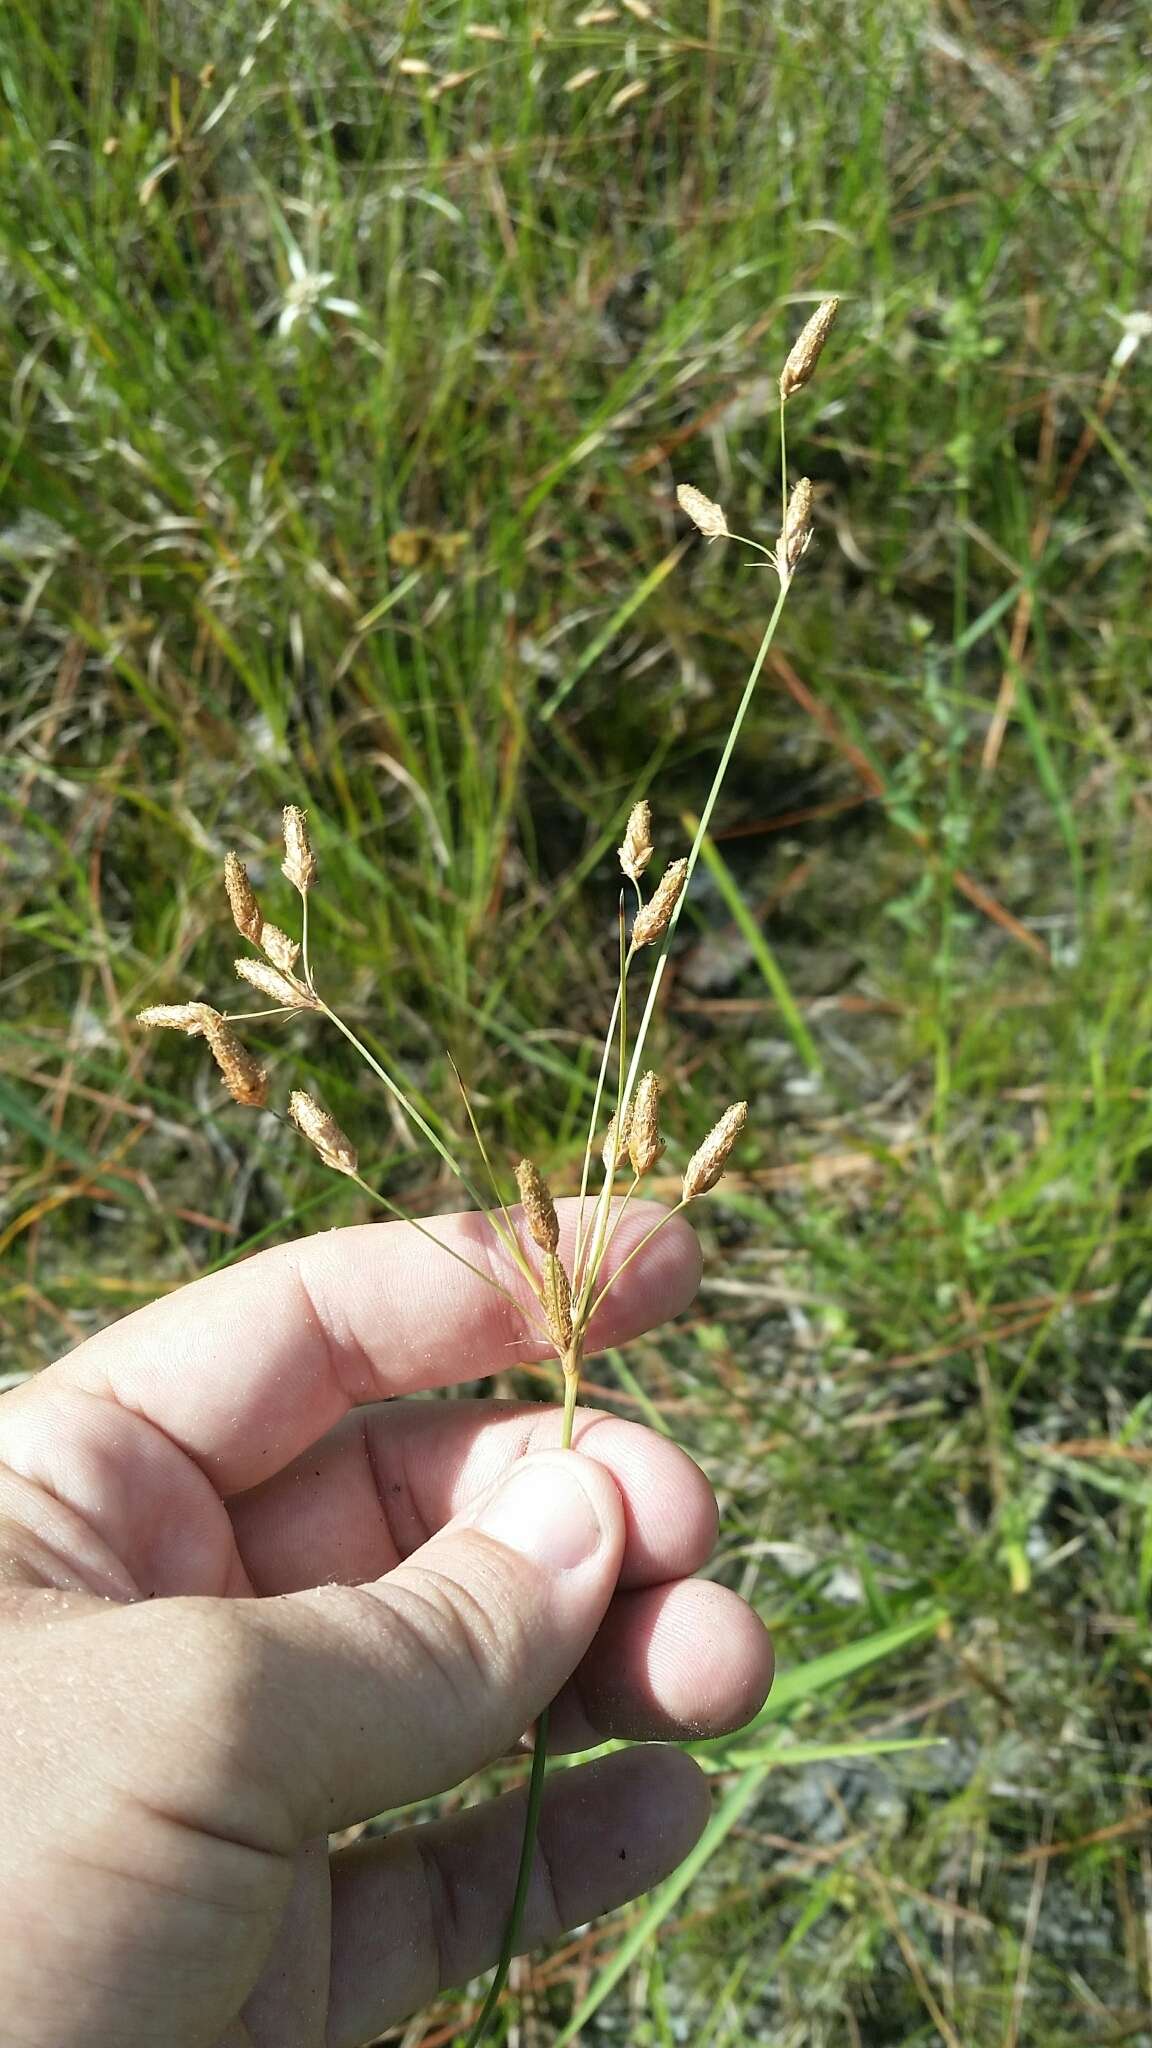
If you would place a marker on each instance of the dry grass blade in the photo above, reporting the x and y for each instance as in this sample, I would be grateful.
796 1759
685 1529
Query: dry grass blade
539 1208
707 1164
243 1076
613 1149
246 913
654 919
191 1018
558 1303
797 530
807 348
299 864
280 988
322 1131
645 1145
282 951
703 512
636 851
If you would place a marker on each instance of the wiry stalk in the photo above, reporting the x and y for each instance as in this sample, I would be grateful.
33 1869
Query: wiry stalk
563 1302
572 1362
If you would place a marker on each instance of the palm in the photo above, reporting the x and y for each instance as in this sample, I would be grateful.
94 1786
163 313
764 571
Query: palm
284 1618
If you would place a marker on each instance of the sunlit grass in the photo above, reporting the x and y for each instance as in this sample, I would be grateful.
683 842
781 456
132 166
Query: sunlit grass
415 563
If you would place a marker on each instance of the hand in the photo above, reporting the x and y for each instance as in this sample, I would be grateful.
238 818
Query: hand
243 1604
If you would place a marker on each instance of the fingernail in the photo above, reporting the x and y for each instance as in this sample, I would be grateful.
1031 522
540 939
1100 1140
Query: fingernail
543 1512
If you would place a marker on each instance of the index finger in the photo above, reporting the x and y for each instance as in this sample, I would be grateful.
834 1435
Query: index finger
247 1368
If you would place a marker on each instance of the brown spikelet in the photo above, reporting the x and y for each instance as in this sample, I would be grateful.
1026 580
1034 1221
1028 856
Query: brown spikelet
557 1303
645 1144
654 919
613 1149
708 1162
299 863
702 511
636 851
807 348
797 530
282 951
281 988
322 1131
246 913
539 1208
191 1018
243 1076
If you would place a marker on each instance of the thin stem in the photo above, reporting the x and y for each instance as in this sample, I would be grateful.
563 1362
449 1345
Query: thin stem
512 1242
604 1200
594 1120
635 1254
572 1362
308 983
585 1274
783 469
747 541
402 1216
618 1216
410 1110
523 1880
506 1238
701 833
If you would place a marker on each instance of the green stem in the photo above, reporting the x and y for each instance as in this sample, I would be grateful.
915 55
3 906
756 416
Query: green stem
734 731
634 1254
572 1364
506 1238
477 1272
523 1880
584 1274
304 941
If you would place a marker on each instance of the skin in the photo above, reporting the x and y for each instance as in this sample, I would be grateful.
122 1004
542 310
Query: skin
248 1599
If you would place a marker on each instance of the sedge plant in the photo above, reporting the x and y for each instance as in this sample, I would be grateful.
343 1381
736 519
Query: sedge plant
624 1138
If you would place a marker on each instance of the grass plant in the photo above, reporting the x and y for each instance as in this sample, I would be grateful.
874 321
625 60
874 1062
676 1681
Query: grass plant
232 569
565 1299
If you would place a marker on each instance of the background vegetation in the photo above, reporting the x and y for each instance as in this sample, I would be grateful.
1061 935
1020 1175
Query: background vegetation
352 356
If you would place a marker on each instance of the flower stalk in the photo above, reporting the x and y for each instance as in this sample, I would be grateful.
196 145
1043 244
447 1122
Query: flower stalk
556 1290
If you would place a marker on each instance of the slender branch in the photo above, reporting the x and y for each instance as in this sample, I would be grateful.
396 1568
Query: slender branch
409 1108
701 833
523 1881
572 1362
634 1254
308 982
508 1236
413 1223
783 471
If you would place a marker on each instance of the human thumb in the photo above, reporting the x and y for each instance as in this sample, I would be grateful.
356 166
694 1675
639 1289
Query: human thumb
344 1701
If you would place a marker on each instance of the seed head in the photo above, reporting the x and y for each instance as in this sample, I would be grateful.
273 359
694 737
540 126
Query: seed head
558 1303
645 1144
614 1148
282 951
323 1131
807 348
709 517
283 989
191 1018
636 852
299 864
797 530
707 1164
539 1208
654 919
243 1076
246 913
